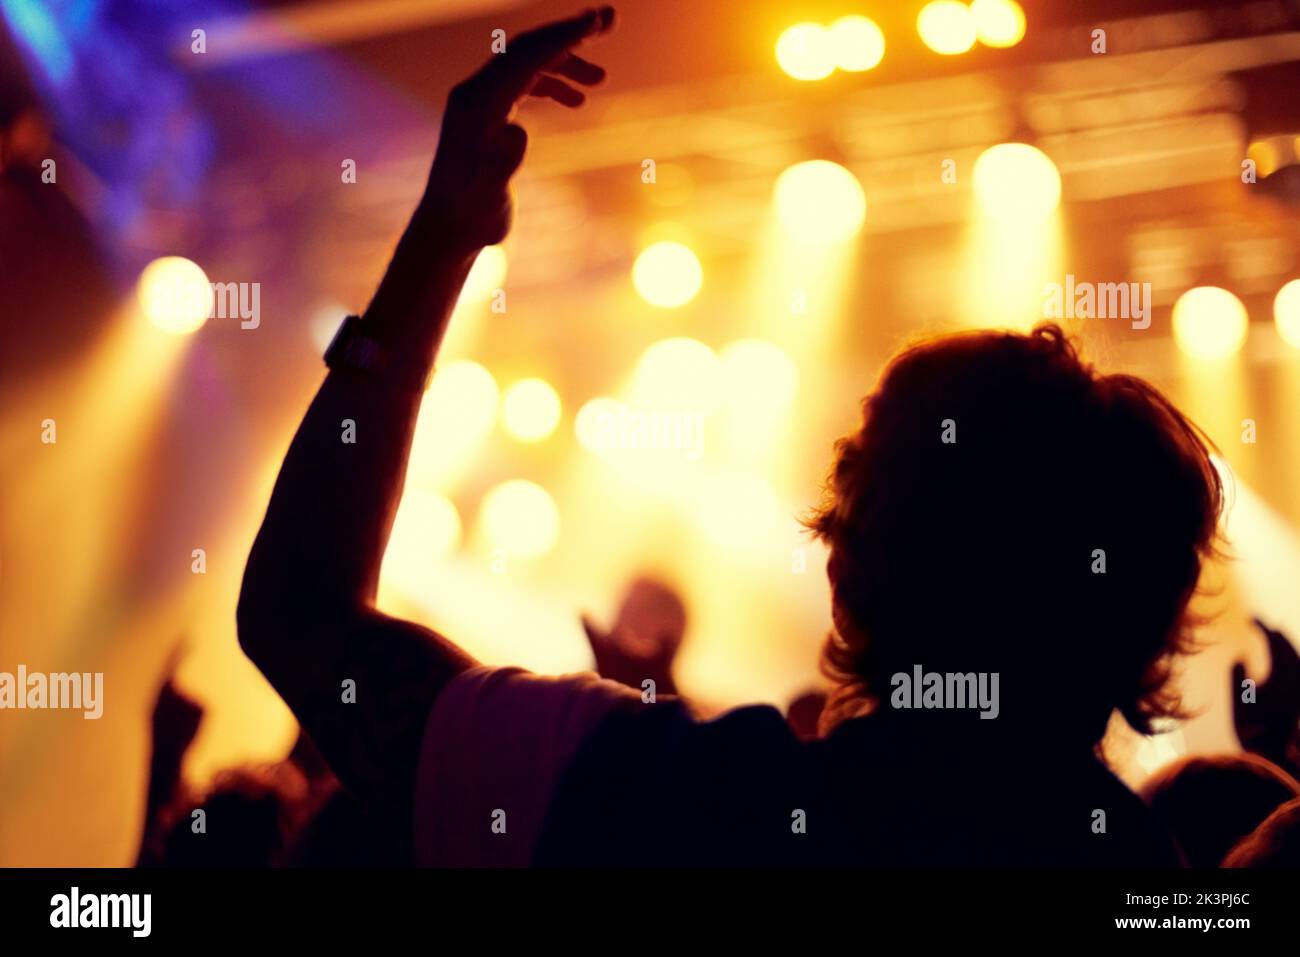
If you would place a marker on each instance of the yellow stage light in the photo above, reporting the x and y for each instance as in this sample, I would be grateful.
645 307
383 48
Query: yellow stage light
1016 181
856 43
595 423
1266 156
760 381
1209 323
520 518
427 529
456 415
667 274
174 294
819 202
759 374
486 276
464 390
946 27
531 410
1286 313
324 323
677 374
737 510
806 52
998 23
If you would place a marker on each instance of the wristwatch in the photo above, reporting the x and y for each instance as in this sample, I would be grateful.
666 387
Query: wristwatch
352 349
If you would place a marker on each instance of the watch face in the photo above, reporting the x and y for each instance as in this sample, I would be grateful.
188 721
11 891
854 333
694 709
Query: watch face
366 353
353 349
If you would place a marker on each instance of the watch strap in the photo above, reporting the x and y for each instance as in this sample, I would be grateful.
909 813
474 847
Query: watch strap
352 349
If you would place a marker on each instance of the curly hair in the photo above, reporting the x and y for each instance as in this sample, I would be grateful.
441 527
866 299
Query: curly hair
1006 508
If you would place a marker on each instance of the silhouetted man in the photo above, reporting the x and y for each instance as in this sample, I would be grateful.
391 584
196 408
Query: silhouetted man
1014 539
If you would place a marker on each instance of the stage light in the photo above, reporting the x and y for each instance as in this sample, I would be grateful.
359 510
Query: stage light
998 23
1286 313
667 274
486 276
456 415
596 421
946 27
1209 323
1016 181
324 323
737 510
1015 239
760 380
531 410
466 390
1266 156
805 51
677 374
819 202
520 518
758 374
427 529
856 43
174 294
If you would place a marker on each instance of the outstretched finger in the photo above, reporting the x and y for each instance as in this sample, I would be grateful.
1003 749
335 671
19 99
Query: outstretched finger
548 87
509 75
575 68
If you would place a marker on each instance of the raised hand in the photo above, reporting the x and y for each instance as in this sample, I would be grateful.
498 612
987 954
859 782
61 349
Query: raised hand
480 147
307 607
1270 726
644 641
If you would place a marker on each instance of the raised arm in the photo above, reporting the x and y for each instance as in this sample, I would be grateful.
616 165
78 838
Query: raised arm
306 610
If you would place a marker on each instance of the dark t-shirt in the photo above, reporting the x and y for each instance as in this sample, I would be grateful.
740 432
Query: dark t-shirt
518 769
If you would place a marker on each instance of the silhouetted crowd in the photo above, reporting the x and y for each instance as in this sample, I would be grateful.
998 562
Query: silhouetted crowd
1222 810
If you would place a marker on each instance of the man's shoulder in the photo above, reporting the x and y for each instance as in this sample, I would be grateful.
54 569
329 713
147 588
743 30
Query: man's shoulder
671 730
659 785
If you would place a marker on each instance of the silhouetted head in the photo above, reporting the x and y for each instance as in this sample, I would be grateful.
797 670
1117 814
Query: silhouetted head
1006 509
1275 843
1209 804
248 815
